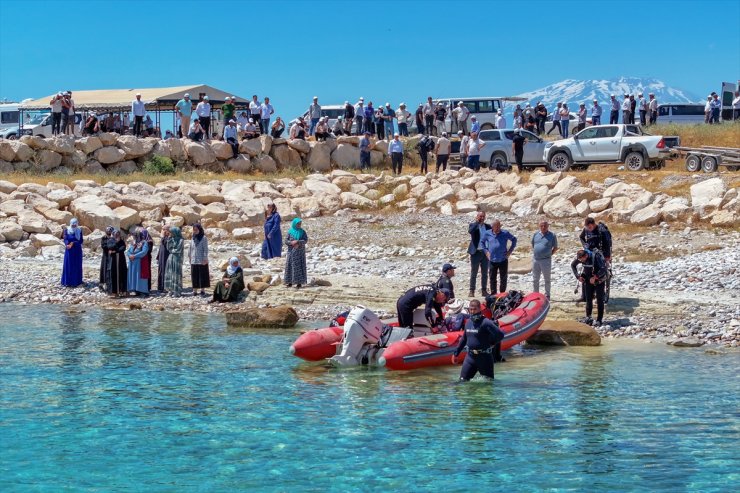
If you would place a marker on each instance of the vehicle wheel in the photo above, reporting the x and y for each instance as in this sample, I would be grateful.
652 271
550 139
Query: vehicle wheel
635 161
693 163
487 126
498 161
559 161
709 164
12 137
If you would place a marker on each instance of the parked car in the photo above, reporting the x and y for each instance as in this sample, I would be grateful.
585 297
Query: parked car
333 111
682 113
9 116
573 117
607 144
497 152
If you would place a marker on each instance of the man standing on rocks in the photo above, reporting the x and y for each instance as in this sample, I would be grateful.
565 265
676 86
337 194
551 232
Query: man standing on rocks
227 109
476 250
403 117
474 146
544 246
266 112
184 109
138 110
230 136
254 111
442 151
349 116
420 119
359 116
388 115
56 114
314 113
365 151
445 280
517 146
461 114
203 110
593 278
613 110
429 115
395 149
633 108
499 245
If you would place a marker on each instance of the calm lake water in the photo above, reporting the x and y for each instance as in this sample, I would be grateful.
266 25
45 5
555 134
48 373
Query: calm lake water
134 401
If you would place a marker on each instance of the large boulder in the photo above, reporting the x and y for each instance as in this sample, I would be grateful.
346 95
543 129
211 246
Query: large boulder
498 203
286 156
300 145
62 144
253 147
487 188
93 167
243 233
88 145
202 193
175 148
600 205
443 192
40 240
647 216
35 142
215 211
266 141
91 211
464 206
47 160
282 316
123 168
354 201
725 219
7 186
199 153
133 146
11 231
7 151
559 207
306 206
704 192
189 213
75 160
12 207
317 187
222 150
23 152
319 159
265 164
240 164
526 207
31 222
141 202
55 215
565 333
346 156
127 217
676 210
109 155
108 138
547 179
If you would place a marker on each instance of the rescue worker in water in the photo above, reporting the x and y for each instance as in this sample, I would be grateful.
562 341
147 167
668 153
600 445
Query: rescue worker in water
428 295
480 335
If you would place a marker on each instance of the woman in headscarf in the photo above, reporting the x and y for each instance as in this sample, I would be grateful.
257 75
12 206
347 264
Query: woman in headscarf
229 287
173 269
116 272
295 262
136 252
72 268
198 255
162 258
272 246
104 241
146 261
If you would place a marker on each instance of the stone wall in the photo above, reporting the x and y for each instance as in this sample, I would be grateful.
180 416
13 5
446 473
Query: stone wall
120 154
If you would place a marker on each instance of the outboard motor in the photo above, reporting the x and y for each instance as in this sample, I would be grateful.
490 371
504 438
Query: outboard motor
362 329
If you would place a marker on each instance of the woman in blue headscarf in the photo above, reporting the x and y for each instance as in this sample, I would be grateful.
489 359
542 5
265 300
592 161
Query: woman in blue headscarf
72 268
232 283
295 262
272 246
136 251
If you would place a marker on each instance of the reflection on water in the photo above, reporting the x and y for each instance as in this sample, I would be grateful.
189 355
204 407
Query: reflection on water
113 401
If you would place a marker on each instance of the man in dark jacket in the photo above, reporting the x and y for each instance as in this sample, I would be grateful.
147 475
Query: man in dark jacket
445 280
593 278
477 253
595 237
419 116
428 295
480 335
349 116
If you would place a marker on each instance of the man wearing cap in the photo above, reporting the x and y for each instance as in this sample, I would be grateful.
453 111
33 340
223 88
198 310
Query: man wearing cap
365 146
541 116
498 245
626 105
266 111
427 295
614 110
138 110
440 114
203 110
349 115
403 117
314 113
395 149
716 105
556 120
581 117
359 116
461 113
474 125
56 113
643 110
633 109
653 108
419 117
254 111
445 280
227 109
517 148
708 110
500 120
476 250
230 136
596 113
388 115
184 109
429 116
442 151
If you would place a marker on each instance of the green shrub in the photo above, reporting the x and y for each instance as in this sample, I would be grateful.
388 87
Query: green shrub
159 165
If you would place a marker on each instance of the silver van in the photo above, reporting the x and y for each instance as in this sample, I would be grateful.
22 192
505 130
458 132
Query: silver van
683 113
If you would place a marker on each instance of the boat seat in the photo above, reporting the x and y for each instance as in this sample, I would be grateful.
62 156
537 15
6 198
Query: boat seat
528 305
510 318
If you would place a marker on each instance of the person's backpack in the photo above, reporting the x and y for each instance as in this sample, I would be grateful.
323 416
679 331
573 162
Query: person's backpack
425 144
607 235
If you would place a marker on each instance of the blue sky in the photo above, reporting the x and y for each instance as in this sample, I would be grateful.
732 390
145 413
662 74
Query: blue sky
385 51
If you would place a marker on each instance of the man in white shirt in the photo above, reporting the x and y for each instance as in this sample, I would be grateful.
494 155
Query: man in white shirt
359 116
613 110
643 105
241 122
230 133
708 109
139 111
556 120
474 146
653 108
203 110
56 113
500 120
461 114
626 105
254 110
266 111
429 115
442 151
403 117
463 147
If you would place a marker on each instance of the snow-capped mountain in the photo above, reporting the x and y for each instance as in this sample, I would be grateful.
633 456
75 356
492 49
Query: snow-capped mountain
574 91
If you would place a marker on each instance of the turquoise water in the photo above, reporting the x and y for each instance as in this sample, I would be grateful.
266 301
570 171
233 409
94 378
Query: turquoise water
134 401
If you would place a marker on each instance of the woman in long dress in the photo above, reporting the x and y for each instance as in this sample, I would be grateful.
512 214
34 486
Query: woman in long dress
295 262
116 272
198 255
272 246
104 242
173 269
162 256
137 251
146 260
72 267
229 287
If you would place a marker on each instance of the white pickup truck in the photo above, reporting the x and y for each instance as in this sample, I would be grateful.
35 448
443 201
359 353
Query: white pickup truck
626 144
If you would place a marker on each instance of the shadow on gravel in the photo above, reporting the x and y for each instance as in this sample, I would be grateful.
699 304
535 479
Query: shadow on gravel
624 305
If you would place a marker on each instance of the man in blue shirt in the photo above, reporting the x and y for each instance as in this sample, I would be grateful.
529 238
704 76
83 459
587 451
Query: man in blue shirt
230 136
395 149
476 250
184 109
475 125
365 151
498 244
716 106
544 246
480 335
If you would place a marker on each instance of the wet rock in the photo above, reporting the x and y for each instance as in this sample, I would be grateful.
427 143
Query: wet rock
282 316
565 333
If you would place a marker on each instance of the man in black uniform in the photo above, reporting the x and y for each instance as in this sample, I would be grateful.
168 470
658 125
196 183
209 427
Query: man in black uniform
517 147
445 280
593 277
596 237
428 295
480 336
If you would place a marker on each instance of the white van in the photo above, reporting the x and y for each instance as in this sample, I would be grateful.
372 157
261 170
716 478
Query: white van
485 109
9 115
684 113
